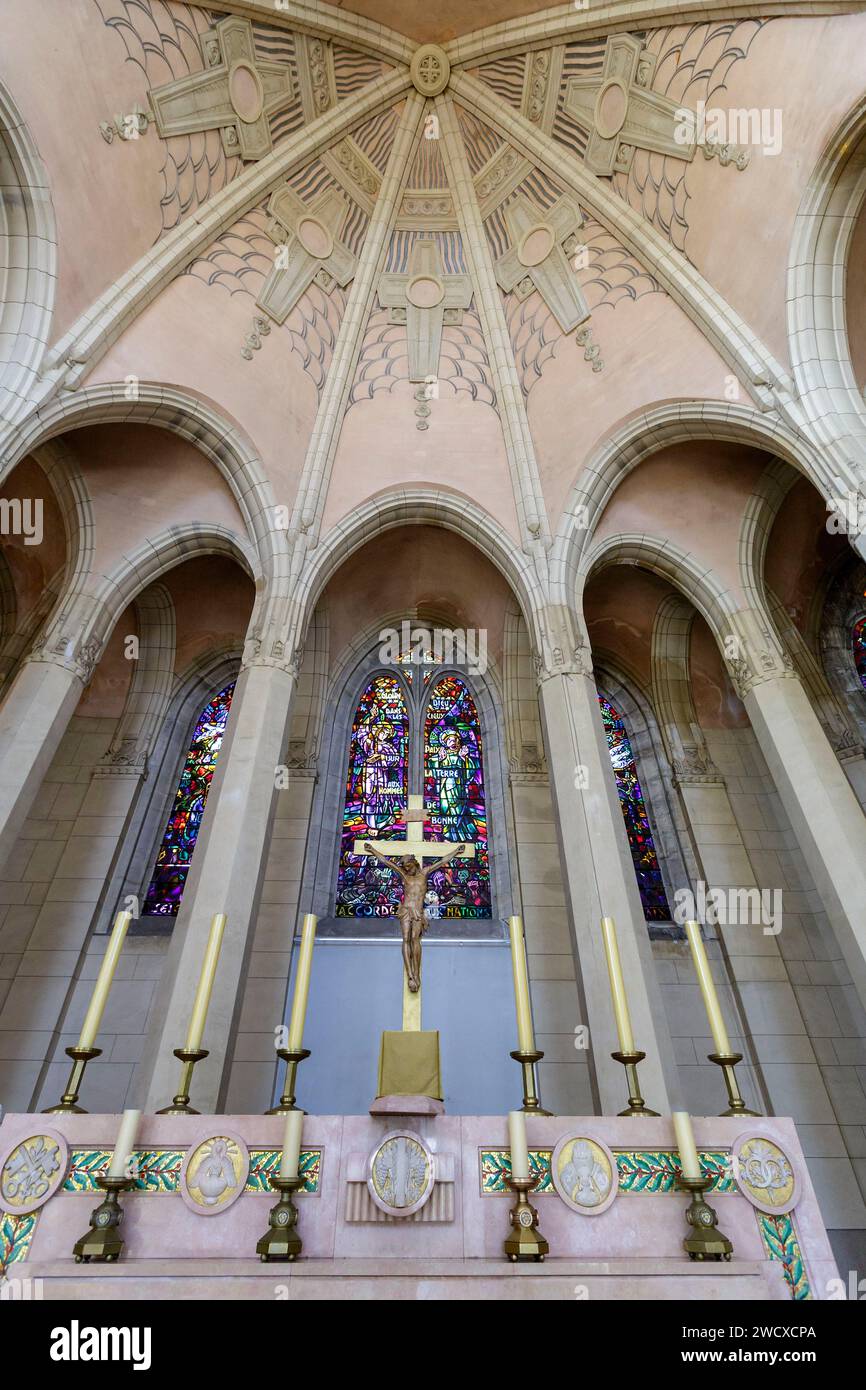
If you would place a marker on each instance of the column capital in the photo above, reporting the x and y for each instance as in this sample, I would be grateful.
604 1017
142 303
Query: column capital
269 649
695 768
753 653
563 648
78 654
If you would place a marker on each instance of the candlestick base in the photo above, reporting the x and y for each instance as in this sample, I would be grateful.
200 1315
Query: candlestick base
531 1103
727 1061
281 1240
525 1241
103 1242
706 1242
67 1104
636 1103
180 1103
292 1057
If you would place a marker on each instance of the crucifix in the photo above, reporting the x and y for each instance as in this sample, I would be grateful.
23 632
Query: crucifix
411 915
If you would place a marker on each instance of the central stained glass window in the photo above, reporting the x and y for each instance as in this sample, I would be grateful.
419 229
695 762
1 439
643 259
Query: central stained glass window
860 648
172 862
390 716
634 811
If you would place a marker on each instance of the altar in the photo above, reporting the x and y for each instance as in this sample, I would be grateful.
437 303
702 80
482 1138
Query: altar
410 1207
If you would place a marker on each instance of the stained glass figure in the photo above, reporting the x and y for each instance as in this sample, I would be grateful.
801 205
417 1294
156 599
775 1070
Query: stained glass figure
643 852
860 648
454 799
375 802
172 862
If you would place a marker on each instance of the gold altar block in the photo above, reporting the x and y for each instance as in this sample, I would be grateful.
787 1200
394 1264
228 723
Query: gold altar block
409 1064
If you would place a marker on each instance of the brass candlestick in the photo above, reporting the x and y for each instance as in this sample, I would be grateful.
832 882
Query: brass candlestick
291 1057
525 1241
180 1103
281 1240
80 1057
727 1061
103 1241
706 1242
636 1103
531 1103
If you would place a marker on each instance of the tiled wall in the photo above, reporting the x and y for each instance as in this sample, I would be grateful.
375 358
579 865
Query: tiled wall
50 891
564 1078
786 998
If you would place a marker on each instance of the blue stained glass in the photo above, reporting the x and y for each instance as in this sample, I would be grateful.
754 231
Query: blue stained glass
860 648
172 862
634 811
375 803
454 801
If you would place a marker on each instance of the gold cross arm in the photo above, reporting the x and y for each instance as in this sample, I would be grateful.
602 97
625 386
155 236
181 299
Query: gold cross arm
414 842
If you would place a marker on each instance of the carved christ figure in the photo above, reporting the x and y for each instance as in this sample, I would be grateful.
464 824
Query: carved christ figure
411 915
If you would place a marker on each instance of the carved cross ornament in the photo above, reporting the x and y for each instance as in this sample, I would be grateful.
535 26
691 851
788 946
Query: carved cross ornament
621 114
308 249
425 299
235 94
538 258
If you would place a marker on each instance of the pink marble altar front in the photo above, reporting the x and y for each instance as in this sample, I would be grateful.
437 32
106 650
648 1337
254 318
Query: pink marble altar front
452 1247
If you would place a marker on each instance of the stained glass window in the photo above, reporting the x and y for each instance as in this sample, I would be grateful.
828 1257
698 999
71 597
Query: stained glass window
643 853
173 860
378 786
454 800
860 648
375 802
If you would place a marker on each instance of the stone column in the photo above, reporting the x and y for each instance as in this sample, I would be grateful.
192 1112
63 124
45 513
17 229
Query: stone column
820 804
600 880
225 876
33 719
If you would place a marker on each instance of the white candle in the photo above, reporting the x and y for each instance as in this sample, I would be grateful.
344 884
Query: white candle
93 1017
205 984
291 1144
125 1144
517 1140
708 989
617 985
525 1035
302 984
686 1144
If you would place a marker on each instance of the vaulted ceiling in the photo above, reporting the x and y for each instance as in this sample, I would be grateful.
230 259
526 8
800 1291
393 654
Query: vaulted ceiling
293 211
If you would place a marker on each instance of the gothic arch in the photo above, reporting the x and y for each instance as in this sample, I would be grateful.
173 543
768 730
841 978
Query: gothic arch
644 435
817 264
423 507
192 418
26 224
352 675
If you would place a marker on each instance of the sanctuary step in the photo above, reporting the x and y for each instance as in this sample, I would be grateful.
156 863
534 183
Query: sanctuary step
667 1279
410 1207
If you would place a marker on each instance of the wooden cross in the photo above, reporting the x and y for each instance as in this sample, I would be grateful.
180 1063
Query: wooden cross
422 849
